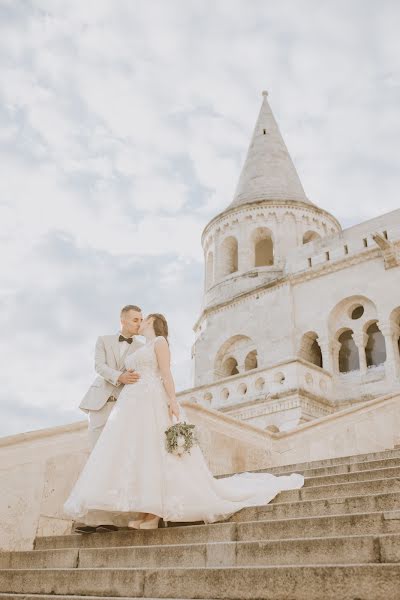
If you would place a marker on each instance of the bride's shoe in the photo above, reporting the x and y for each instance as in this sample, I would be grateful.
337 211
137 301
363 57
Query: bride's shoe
135 524
150 523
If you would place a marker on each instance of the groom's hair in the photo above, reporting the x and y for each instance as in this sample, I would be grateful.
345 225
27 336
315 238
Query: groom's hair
129 307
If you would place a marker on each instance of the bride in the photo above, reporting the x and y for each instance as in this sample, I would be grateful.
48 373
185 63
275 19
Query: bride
129 471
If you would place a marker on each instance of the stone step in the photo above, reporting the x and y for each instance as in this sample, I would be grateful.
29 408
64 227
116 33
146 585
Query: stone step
339 469
319 507
325 526
336 490
7 596
295 582
352 488
66 558
329 462
337 474
365 475
309 550
216 531
346 524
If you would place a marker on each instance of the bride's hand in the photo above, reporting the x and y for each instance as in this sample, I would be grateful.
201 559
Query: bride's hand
173 409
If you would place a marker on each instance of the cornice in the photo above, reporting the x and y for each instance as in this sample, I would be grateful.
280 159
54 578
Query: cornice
294 204
265 400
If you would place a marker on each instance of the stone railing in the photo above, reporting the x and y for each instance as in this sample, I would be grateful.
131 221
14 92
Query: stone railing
262 382
339 247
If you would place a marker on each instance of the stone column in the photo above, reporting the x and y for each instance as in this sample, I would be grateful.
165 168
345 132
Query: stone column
217 256
245 256
392 365
205 282
361 340
241 368
327 353
279 254
335 345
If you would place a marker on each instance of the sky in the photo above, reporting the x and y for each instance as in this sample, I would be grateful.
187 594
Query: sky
123 128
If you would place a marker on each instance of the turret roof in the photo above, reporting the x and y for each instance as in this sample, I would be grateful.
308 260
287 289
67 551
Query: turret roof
268 172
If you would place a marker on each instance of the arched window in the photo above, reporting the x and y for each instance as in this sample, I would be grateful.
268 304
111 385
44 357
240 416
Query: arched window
264 253
349 359
310 349
250 362
229 367
231 358
263 247
310 236
375 350
210 270
229 256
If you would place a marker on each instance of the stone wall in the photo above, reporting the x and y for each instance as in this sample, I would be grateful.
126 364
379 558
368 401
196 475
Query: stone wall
36 471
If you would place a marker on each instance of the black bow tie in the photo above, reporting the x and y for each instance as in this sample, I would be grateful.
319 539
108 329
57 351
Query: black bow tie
122 339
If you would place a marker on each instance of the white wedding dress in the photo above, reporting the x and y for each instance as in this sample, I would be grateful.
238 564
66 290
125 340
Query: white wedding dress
130 470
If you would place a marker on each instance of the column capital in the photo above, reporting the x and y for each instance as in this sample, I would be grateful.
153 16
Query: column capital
360 339
325 342
390 330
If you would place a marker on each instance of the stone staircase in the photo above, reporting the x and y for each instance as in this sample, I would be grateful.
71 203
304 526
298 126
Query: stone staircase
336 538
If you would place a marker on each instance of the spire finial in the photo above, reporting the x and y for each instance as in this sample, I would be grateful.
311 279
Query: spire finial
268 172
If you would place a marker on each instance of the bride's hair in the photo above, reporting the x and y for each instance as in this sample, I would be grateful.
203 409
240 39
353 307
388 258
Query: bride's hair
160 325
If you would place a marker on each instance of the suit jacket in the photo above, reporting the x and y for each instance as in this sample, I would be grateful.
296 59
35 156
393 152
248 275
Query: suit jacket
109 365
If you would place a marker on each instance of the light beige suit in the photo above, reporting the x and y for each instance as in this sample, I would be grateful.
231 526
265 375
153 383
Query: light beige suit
109 365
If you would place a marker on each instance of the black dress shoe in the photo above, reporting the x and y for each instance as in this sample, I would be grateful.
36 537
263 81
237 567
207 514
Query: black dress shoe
84 529
106 528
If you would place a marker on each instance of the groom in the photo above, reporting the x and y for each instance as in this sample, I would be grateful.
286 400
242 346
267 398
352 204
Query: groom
100 399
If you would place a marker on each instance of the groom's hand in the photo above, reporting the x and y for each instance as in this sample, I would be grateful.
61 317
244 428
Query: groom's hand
129 377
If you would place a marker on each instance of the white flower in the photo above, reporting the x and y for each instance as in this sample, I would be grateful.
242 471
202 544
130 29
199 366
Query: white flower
180 440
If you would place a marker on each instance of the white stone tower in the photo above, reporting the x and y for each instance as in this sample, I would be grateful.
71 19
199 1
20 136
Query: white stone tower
266 349
269 216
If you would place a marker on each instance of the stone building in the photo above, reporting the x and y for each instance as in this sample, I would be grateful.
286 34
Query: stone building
300 317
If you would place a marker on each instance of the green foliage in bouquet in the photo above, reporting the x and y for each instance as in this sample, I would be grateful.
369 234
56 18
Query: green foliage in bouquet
180 438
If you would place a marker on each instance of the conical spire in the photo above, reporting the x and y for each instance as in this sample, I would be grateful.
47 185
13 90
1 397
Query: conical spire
268 172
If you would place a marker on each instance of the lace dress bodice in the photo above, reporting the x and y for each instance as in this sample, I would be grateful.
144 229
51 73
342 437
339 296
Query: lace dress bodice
144 361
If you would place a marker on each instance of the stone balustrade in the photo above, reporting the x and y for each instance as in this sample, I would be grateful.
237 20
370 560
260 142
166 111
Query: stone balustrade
261 383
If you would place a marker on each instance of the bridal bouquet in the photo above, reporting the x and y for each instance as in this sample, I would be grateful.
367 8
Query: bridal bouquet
180 438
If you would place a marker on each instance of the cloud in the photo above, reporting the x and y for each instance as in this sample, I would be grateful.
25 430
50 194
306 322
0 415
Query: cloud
123 129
